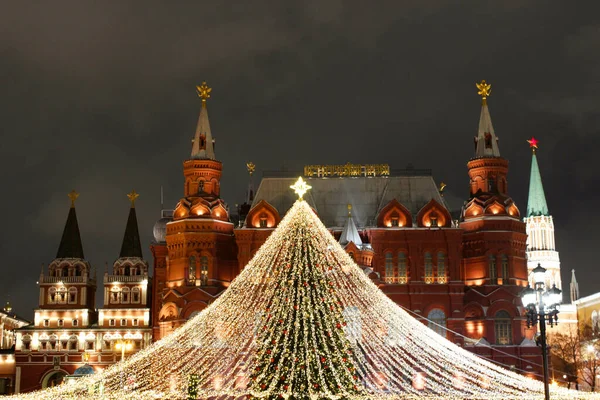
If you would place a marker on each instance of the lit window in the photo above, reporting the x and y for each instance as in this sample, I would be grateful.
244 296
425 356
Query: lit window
389 268
123 322
135 295
402 271
433 217
395 221
504 264
192 270
263 222
437 321
46 323
503 327
111 322
492 268
72 295
135 322
114 295
61 322
204 270
428 268
125 295
75 322
441 268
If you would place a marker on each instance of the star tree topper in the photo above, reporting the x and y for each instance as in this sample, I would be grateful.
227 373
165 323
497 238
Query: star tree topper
300 187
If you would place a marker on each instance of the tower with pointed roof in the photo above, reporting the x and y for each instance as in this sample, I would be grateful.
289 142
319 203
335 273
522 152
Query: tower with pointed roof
201 253
541 247
70 282
361 253
494 264
126 310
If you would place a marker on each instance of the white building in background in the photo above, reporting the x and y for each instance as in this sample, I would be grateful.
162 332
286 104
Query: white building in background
541 247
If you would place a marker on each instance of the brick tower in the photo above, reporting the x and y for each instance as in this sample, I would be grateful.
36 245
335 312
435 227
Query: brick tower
494 260
201 254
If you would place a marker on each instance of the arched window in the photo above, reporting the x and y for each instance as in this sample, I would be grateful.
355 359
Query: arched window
389 268
504 268
72 295
26 342
72 343
402 270
503 327
192 270
441 267
437 321
62 295
428 268
204 270
125 295
114 295
135 295
493 271
52 295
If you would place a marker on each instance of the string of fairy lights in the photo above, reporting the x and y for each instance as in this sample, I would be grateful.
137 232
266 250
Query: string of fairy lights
302 321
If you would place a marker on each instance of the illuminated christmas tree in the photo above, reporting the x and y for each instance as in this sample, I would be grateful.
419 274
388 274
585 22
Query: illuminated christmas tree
303 321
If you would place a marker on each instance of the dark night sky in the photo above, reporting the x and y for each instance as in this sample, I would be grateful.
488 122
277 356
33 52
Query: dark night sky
99 97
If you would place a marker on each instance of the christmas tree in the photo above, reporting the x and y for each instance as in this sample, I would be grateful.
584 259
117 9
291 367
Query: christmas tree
303 321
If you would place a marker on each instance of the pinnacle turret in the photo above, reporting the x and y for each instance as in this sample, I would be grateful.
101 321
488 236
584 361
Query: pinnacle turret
70 244
131 246
203 146
486 142
350 233
536 204
574 287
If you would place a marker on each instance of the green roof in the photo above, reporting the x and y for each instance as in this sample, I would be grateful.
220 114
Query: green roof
536 205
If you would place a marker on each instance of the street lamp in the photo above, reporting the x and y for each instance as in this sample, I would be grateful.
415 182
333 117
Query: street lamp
542 305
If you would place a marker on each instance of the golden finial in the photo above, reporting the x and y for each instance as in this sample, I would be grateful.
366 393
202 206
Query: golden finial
73 196
349 210
484 90
300 187
203 92
442 187
86 357
8 307
251 167
132 197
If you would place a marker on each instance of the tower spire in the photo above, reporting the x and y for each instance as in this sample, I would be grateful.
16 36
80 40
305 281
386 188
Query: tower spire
350 233
203 146
486 142
131 246
574 287
536 204
70 244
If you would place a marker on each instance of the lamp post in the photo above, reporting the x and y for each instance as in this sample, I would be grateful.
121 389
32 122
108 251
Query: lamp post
542 305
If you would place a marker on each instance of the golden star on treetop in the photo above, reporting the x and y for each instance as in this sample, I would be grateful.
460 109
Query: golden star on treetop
300 187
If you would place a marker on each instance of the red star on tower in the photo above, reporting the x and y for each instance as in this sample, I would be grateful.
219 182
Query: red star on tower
533 143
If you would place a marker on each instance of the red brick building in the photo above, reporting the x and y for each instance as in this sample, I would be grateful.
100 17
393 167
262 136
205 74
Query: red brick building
462 271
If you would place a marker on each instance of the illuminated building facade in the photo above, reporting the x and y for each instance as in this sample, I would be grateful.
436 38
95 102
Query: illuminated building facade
9 323
463 271
68 334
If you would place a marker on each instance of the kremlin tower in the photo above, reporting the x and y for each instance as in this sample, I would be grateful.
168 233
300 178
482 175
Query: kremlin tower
541 248
493 244
197 258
